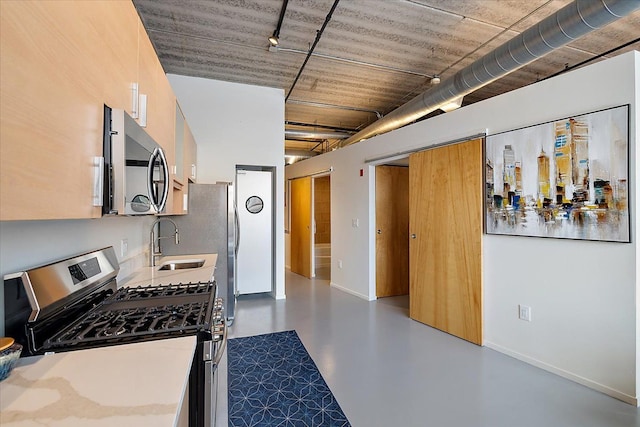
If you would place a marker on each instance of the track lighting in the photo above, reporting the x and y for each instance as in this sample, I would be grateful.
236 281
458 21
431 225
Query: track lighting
273 40
435 80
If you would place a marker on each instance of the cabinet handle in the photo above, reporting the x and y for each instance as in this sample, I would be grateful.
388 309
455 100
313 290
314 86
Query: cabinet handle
98 180
413 236
379 231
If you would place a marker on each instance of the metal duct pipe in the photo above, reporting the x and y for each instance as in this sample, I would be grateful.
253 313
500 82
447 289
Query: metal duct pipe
300 153
566 25
291 133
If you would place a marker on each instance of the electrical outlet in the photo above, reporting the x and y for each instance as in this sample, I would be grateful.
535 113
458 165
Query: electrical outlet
124 247
339 263
524 313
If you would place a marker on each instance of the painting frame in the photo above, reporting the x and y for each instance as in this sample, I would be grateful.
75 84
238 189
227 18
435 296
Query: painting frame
566 178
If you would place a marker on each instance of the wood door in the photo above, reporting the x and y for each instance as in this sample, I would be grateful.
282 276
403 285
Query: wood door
445 211
300 232
392 231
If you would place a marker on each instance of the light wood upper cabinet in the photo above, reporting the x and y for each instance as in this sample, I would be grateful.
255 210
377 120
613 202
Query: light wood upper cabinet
190 155
61 62
185 154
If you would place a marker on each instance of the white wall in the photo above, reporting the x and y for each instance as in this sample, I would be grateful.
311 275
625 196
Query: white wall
584 318
235 124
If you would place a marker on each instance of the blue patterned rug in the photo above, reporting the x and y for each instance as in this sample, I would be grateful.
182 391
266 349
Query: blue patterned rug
274 382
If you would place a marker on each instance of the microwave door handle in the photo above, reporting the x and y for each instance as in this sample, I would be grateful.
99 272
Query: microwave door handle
165 173
153 196
158 202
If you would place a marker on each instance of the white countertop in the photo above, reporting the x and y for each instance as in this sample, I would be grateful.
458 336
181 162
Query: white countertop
141 384
154 276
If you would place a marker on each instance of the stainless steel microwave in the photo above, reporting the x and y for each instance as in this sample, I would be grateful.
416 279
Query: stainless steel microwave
136 174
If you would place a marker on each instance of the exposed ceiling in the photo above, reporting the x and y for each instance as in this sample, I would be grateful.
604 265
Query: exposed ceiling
372 57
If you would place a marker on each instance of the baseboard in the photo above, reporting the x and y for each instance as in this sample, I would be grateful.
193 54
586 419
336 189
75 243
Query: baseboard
349 291
565 374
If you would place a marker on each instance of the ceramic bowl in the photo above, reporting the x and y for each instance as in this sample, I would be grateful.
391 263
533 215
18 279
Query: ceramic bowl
8 359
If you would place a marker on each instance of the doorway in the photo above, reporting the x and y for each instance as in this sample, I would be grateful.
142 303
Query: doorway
310 226
392 230
256 223
301 226
322 226
444 238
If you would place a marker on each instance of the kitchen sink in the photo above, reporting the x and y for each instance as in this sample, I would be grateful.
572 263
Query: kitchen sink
182 264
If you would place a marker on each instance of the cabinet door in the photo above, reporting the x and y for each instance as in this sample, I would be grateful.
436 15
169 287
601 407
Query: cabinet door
160 113
61 61
190 154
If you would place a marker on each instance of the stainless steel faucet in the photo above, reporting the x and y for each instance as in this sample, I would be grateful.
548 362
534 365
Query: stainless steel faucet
152 239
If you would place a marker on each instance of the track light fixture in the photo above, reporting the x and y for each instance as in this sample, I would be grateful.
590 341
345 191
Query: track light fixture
435 80
273 40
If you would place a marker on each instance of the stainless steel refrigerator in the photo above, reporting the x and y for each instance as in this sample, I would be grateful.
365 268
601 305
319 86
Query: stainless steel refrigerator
211 226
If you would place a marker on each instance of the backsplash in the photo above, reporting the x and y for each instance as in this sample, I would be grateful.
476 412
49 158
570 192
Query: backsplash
28 244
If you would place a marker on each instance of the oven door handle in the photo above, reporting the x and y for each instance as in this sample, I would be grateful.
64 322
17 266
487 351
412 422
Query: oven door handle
223 345
210 394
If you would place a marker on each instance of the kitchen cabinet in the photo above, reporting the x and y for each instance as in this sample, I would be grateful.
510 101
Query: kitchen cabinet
179 189
61 62
160 114
190 154
185 155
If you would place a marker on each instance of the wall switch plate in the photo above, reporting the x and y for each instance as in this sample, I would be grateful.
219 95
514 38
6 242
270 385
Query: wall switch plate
124 247
524 313
355 223
339 263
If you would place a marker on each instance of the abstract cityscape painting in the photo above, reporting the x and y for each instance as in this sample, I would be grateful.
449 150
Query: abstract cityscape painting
564 179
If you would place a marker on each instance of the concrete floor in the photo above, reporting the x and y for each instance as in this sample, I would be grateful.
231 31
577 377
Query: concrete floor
388 370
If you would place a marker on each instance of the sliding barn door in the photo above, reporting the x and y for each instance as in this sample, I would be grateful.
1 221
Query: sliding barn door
445 245
301 226
392 231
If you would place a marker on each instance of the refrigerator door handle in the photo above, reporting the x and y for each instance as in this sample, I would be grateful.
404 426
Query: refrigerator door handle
237 224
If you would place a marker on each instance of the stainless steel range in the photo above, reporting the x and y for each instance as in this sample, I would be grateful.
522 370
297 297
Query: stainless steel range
75 304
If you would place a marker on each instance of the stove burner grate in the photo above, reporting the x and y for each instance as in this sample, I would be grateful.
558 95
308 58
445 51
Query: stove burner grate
196 288
127 315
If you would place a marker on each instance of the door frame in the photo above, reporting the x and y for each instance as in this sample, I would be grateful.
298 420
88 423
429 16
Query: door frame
371 164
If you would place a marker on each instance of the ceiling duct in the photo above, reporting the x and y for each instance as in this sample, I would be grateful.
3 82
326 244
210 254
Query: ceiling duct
566 25
291 133
300 153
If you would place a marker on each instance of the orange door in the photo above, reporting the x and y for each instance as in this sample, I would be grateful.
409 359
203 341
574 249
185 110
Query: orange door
301 228
445 249
392 231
